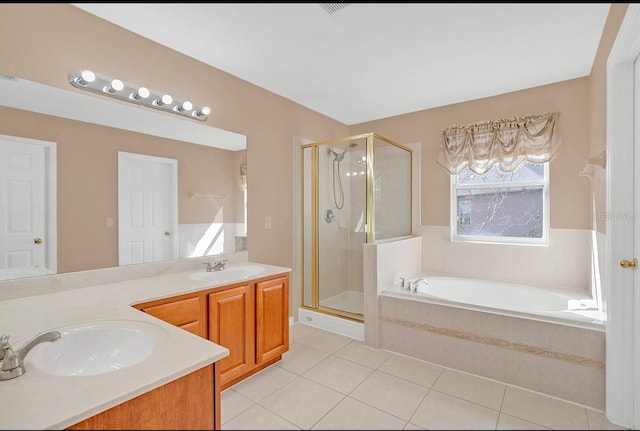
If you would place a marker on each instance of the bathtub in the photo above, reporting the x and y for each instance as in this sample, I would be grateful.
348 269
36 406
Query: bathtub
543 339
566 306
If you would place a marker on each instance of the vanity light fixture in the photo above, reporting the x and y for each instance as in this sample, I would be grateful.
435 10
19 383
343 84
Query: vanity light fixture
90 81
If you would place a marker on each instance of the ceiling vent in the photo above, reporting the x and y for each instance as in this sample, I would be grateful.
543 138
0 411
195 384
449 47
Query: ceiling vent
333 7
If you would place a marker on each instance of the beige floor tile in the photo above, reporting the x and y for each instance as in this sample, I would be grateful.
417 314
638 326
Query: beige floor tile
339 374
326 341
414 370
301 358
471 388
410 426
258 418
390 394
302 402
543 410
232 403
298 331
507 422
598 421
352 414
356 351
264 383
441 411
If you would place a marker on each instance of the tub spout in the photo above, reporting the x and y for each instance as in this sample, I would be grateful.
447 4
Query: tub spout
414 285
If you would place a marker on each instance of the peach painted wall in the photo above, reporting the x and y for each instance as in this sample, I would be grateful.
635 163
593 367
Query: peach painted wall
43 42
598 123
87 182
569 192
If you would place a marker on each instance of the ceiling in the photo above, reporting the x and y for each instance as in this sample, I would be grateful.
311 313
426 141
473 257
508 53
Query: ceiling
369 61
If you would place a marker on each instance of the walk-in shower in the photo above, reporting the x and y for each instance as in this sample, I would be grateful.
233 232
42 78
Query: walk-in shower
355 190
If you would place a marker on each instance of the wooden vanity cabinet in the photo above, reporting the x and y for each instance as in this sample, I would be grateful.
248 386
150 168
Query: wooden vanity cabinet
252 321
272 319
188 312
232 325
187 403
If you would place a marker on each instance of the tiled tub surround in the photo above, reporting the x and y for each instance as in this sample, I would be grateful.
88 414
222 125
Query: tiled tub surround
565 262
554 359
562 360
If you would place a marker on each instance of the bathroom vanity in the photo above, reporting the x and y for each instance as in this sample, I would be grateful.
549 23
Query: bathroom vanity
250 318
206 333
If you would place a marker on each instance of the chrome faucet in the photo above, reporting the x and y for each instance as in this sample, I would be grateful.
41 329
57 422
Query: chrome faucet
416 282
218 265
11 362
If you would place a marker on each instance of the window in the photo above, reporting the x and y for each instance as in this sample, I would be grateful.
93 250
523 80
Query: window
498 206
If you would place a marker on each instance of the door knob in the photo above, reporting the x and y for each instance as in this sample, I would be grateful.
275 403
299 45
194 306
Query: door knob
629 263
167 233
38 240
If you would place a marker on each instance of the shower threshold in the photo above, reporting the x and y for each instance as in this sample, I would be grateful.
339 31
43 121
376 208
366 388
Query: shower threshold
334 324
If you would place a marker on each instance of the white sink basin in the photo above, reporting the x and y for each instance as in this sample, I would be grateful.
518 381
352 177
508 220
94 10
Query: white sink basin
230 273
95 348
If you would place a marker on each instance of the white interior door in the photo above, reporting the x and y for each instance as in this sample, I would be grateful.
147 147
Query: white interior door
623 225
27 241
147 208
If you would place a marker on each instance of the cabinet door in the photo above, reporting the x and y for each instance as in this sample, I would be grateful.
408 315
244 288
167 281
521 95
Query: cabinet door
232 325
187 313
272 314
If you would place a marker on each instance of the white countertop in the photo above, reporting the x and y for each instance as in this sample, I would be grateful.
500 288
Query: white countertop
37 400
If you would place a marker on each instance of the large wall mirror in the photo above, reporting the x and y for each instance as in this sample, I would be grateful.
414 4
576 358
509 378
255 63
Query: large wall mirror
89 182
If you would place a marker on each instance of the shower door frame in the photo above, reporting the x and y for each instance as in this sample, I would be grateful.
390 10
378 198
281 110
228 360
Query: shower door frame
369 215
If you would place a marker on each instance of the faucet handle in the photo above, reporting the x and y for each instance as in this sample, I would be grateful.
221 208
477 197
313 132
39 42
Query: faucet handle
4 343
10 359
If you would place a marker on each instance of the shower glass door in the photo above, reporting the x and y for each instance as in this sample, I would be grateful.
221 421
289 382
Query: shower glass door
355 190
334 189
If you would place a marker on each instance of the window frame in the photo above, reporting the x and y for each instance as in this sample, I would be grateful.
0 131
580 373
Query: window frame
488 239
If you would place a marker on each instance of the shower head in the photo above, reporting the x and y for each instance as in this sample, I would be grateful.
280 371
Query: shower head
339 156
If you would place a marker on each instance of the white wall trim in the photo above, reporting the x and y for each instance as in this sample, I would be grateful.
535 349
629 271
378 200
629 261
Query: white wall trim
620 368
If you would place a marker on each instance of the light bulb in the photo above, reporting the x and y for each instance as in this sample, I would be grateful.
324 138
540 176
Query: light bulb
184 106
86 77
142 93
164 100
115 86
203 112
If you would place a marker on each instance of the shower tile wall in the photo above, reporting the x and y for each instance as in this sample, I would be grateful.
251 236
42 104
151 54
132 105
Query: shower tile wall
565 262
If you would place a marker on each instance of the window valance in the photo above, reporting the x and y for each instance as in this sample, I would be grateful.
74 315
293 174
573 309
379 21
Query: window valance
507 142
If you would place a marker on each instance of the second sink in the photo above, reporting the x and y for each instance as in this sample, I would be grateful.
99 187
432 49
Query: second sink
230 273
95 348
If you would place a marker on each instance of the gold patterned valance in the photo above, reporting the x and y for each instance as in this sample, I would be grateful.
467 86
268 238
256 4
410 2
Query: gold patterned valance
507 142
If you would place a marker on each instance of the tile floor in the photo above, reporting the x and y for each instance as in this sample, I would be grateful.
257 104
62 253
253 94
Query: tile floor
329 381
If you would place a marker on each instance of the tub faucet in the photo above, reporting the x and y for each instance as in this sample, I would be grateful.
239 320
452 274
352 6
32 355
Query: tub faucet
12 363
416 282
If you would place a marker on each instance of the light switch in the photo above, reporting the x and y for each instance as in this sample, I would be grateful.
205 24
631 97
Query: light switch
267 222
108 222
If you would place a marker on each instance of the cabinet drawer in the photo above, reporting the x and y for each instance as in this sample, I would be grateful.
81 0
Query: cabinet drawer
177 313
